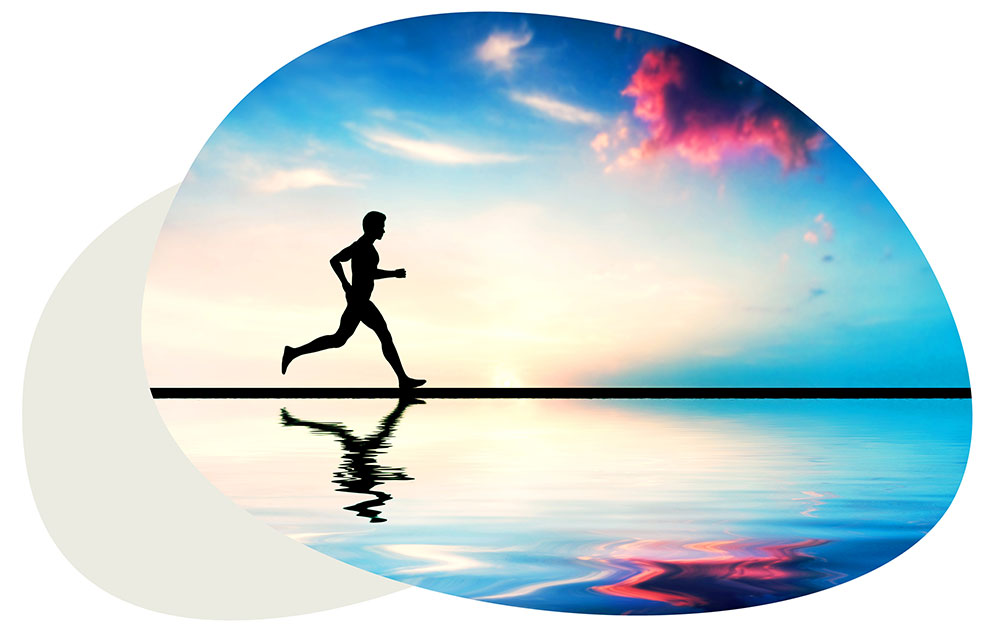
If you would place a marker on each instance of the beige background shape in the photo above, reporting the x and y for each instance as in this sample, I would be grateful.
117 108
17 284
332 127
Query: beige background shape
117 495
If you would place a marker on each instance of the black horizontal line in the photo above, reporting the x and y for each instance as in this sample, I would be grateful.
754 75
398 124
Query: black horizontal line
600 392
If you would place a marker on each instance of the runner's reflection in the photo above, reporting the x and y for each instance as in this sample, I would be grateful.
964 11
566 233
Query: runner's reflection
360 474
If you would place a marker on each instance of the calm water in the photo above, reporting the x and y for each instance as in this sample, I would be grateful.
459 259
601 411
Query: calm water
616 507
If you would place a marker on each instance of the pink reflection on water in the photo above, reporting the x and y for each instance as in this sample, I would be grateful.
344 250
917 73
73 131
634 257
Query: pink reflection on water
724 572
631 587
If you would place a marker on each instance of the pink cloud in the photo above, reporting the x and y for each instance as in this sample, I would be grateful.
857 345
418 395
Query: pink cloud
810 237
701 108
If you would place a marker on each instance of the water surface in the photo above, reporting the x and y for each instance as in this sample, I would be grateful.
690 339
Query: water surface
602 506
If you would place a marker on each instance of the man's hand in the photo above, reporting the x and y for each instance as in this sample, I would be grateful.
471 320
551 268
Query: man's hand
400 273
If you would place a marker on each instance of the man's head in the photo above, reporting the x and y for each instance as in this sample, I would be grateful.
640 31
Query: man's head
374 224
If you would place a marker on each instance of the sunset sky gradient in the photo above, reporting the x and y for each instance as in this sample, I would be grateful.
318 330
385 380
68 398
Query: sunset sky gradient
574 203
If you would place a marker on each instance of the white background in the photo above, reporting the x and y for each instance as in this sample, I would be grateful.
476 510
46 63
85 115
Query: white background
105 104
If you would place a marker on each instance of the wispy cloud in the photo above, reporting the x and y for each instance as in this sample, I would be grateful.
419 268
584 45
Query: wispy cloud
429 151
556 109
383 113
306 178
500 49
301 166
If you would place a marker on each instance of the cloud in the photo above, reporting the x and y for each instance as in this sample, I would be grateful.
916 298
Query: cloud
500 49
615 139
429 151
623 34
626 160
600 143
827 258
556 109
825 227
816 292
826 231
307 178
701 108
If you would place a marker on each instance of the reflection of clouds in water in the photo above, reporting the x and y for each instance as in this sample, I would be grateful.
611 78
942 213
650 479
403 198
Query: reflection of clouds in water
681 576
441 558
734 573
533 588
815 500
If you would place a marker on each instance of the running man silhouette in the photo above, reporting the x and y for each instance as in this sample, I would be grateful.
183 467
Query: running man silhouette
360 309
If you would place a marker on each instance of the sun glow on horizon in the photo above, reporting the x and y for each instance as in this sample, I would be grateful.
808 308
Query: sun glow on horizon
504 378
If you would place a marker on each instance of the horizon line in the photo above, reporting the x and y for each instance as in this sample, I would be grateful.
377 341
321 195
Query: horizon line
564 392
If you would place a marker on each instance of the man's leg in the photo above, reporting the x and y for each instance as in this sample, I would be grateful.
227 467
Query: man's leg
348 325
371 317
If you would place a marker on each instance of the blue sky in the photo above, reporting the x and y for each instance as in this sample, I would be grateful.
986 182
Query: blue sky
574 204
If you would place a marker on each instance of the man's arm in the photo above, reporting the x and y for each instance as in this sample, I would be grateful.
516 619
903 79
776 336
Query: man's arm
388 274
337 264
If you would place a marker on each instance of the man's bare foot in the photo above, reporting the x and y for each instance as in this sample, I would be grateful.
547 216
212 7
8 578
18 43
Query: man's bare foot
409 382
286 359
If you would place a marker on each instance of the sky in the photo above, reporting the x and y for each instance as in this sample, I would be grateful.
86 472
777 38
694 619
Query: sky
574 203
